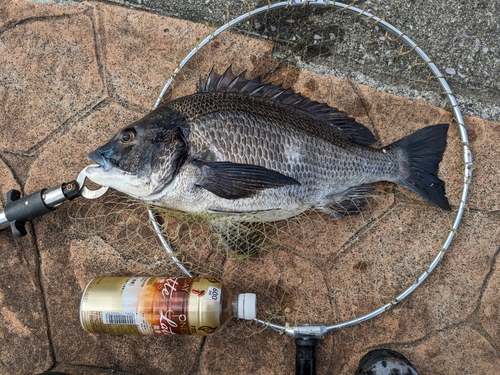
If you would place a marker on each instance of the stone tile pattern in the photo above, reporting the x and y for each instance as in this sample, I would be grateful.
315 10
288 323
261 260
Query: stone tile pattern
71 76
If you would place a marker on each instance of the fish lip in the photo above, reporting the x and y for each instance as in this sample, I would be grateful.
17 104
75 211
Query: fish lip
106 163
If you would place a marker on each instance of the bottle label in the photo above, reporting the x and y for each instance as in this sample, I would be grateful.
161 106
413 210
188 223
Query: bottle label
214 294
155 305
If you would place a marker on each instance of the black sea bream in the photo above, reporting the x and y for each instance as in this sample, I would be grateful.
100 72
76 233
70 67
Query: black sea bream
251 151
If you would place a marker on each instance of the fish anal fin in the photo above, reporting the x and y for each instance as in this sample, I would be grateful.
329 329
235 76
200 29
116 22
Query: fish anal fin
350 203
234 181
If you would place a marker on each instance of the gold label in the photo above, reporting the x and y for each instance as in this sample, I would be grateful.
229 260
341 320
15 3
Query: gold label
205 296
156 305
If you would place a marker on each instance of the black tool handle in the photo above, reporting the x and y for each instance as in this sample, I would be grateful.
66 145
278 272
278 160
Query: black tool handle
305 356
20 210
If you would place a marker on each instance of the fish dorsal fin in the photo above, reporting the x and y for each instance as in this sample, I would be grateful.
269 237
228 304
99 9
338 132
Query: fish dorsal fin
228 82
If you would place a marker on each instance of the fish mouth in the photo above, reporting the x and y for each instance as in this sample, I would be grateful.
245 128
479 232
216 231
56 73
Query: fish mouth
103 161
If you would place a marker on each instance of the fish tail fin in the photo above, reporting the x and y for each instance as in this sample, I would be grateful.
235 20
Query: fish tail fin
424 150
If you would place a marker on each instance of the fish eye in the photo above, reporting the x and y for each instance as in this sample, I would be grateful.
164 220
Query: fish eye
127 135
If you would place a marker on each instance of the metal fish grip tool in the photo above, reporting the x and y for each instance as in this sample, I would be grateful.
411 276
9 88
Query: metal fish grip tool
19 210
307 335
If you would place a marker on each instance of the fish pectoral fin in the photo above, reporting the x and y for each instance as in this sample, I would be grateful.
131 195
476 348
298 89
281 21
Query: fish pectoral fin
245 238
233 181
349 203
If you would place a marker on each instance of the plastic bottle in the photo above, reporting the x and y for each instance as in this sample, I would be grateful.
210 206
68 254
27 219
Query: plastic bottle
161 305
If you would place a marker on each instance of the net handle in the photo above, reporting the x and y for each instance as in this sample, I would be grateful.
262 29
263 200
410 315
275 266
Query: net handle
320 330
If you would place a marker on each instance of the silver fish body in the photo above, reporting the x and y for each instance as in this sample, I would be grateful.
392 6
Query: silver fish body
259 133
245 149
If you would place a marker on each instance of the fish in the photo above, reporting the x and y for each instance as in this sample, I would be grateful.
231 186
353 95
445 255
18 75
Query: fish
243 151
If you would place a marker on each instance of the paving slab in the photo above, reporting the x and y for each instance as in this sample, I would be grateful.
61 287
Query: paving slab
49 75
72 74
23 315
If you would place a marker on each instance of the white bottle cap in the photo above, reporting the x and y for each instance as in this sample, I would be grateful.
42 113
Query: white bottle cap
247 306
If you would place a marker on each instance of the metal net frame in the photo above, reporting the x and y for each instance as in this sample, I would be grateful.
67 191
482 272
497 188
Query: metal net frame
392 34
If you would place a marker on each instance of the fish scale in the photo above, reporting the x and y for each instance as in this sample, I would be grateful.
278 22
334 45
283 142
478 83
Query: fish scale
268 143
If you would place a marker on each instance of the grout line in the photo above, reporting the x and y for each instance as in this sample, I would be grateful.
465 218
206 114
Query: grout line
14 174
473 319
38 275
100 48
487 280
81 368
66 125
30 20
477 326
196 367
100 42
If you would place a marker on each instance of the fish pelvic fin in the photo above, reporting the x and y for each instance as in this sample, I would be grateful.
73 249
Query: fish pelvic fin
424 150
234 181
244 238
